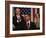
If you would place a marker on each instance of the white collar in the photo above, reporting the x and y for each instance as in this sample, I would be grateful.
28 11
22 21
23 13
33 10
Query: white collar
28 21
18 16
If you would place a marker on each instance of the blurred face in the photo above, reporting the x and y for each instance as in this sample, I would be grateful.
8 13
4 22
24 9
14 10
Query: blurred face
27 17
36 19
38 16
17 11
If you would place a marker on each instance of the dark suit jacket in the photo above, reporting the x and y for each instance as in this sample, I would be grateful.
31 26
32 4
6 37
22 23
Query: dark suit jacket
32 26
20 25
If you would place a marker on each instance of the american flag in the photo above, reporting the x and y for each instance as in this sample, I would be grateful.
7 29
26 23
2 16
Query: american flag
31 11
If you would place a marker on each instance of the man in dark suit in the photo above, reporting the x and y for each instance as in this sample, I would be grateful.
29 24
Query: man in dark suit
28 24
18 20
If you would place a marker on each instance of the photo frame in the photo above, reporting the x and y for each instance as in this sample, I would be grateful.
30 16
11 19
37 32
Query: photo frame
10 6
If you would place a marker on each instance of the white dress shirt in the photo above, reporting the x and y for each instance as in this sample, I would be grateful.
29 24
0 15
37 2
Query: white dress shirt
18 19
28 24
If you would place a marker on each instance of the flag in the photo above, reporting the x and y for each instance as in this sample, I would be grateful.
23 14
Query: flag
31 11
